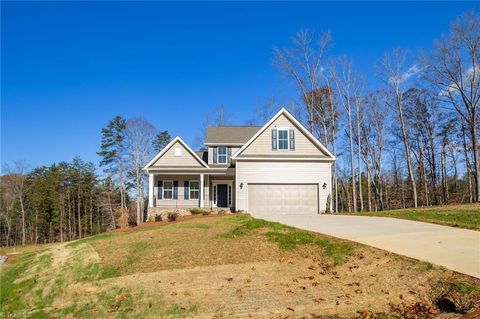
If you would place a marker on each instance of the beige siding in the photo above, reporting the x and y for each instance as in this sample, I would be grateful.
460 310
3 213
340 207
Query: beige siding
282 172
181 202
210 153
169 158
262 145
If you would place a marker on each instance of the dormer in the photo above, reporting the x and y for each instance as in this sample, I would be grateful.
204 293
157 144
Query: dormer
223 141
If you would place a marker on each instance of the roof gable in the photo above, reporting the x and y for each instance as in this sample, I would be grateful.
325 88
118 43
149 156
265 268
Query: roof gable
176 153
305 143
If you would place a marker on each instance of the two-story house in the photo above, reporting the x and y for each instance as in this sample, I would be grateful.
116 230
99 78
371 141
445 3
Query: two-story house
276 168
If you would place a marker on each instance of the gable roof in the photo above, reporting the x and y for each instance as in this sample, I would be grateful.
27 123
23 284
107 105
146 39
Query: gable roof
287 114
230 134
169 145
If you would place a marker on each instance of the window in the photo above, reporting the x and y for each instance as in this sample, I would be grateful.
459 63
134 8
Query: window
194 190
167 190
222 154
282 139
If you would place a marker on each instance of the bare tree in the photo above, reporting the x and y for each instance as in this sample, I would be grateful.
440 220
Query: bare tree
302 62
218 116
139 137
395 76
346 85
16 181
454 68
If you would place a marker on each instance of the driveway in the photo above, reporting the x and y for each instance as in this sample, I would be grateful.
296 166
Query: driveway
454 248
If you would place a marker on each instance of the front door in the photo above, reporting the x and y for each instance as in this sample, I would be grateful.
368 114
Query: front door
222 195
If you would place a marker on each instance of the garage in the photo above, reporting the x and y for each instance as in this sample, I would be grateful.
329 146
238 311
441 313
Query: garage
283 198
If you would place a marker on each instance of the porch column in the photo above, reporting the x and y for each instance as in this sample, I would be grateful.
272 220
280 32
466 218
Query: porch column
150 190
202 191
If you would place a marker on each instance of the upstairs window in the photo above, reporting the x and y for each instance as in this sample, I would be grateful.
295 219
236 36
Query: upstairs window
283 139
222 154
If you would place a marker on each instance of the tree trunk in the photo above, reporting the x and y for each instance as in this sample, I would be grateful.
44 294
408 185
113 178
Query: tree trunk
23 220
352 167
476 164
407 151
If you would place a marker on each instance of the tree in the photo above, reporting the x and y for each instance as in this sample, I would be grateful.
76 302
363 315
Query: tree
347 87
454 68
302 62
16 181
139 135
161 140
218 116
112 151
395 75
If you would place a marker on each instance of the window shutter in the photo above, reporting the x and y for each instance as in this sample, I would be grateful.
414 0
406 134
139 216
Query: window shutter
175 189
215 155
274 139
186 189
159 189
292 139
229 154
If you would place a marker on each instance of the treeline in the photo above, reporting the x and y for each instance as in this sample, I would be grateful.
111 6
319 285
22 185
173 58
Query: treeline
406 137
67 201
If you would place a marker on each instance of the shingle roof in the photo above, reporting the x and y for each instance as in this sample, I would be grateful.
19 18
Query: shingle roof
230 134
203 155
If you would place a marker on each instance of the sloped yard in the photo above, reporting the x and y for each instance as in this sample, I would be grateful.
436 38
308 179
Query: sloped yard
227 266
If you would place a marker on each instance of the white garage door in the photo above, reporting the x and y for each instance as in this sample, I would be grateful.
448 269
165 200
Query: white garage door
283 198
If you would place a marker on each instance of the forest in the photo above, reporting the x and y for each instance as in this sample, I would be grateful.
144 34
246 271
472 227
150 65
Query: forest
406 135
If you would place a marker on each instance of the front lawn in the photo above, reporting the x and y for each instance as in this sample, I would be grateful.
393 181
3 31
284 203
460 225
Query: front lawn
223 266
464 216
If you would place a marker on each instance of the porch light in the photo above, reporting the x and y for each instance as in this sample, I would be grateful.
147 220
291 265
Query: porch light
241 185
324 185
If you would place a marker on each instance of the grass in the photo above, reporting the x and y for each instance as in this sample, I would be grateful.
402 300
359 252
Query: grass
157 271
463 216
289 238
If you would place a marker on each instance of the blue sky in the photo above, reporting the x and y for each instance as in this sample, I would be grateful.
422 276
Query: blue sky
67 68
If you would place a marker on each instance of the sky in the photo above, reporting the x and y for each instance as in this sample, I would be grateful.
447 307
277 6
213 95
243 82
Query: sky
67 68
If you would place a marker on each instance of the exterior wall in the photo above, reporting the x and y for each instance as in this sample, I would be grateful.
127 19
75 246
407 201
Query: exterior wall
181 202
210 153
262 145
282 172
169 158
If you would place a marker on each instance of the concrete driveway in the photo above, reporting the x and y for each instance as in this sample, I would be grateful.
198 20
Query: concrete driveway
454 248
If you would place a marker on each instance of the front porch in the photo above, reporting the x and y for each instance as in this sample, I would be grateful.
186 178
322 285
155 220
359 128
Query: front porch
188 190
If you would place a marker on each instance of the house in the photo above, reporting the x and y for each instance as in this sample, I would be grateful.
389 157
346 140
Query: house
276 168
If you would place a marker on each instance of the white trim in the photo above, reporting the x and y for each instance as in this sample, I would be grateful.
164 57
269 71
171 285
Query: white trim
163 190
202 191
227 162
190 189
169 145
150 189
283 128
215 191
296 122
322 159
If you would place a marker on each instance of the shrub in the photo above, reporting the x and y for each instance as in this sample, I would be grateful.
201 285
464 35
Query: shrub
206 212
172 216
158 218
221 212
197 211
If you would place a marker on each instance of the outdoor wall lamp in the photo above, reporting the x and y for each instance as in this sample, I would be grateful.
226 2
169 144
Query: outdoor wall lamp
241 185
324 185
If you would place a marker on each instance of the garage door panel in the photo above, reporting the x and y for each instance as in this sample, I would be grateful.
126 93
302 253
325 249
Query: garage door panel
283 198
